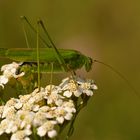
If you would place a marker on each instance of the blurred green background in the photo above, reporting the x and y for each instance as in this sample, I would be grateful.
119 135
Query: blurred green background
103 29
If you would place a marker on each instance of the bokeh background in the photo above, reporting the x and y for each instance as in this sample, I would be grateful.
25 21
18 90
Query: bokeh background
106 30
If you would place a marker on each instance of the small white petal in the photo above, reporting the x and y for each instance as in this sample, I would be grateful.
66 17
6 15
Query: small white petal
18 105
27 138
68 116
14 129
52 134
41 131
95 87
67 94
60 119
70 110
28 132
59 102
77 93
19 75
3 80
13 70
35 108
89 92
1 131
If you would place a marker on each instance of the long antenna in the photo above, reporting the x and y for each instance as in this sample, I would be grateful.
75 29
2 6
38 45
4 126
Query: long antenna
120 75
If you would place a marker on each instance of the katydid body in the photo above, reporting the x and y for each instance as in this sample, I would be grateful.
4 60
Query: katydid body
73 59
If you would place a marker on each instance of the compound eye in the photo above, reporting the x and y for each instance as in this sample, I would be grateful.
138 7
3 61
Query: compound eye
88 64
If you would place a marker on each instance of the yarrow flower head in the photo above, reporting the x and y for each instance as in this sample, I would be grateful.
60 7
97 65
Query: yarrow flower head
9 71
47 127
44 110
70 88
20 116
77 86
52 95
21 135
87 86
65 112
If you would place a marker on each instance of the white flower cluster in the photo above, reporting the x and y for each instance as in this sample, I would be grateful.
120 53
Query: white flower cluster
9 71
77 86
43 110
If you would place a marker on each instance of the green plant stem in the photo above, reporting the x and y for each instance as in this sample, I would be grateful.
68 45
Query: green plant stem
34 134
51 78
38 63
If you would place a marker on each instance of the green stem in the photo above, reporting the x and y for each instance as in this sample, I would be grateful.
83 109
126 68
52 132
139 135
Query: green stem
35 137
51 78
2 101
38 63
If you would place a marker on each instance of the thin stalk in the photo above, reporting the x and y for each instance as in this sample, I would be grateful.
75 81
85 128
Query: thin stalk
38 63
1 101
35 137
51 78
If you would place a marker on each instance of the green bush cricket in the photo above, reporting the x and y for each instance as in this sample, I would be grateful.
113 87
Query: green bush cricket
73 59
63 60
